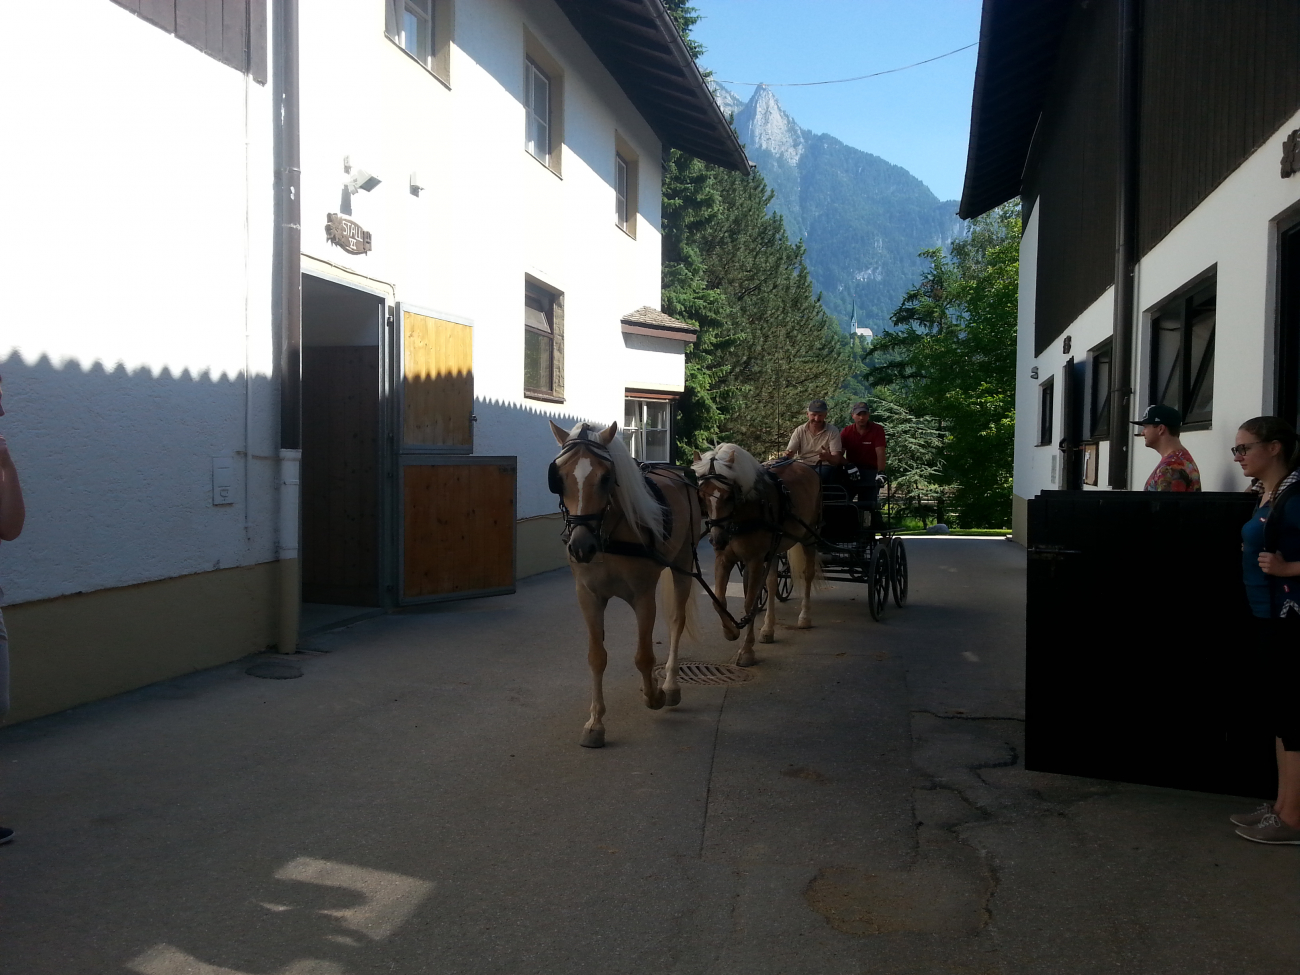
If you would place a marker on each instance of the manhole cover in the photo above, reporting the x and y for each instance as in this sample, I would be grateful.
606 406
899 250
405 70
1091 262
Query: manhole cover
694 672
274 671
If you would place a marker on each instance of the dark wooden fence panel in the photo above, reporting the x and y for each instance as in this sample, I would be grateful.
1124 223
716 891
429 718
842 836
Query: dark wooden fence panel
1071 174
1137 653
232 31
1218 80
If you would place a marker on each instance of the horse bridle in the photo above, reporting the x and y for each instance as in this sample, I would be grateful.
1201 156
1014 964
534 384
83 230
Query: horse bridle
726 524
595 521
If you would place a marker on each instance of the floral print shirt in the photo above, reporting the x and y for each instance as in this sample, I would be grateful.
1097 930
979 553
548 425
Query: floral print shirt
1175 472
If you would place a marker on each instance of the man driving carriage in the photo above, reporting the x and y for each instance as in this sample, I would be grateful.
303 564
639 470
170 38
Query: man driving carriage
817 444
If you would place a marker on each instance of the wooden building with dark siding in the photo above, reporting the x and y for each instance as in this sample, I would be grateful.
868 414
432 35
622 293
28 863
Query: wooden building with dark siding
1144 139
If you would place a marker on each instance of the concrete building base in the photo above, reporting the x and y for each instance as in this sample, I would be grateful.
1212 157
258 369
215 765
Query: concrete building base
74 649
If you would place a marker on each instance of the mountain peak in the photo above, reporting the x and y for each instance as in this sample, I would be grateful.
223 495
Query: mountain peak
764 124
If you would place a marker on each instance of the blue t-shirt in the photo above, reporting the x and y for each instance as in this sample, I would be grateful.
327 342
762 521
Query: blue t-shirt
1268 594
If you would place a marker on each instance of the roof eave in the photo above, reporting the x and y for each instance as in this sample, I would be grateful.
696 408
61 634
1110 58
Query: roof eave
723 147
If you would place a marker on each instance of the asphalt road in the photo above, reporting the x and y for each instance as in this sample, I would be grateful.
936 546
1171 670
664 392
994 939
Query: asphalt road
417 802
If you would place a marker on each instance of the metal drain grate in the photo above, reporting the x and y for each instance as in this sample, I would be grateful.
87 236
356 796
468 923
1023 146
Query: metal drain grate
694 672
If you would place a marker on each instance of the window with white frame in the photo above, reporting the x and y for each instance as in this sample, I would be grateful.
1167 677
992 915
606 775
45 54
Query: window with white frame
417 30
620 191
647 430
537 98
422 28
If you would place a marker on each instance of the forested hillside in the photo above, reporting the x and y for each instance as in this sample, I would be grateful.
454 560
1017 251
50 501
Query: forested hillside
863 221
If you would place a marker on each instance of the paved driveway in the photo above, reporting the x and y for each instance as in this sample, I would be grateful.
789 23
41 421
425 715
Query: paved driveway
417 802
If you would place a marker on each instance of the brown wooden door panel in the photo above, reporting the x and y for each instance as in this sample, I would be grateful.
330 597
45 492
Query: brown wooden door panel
458 528
437 382
340 494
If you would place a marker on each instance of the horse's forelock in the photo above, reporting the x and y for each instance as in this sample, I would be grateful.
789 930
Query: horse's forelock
734 463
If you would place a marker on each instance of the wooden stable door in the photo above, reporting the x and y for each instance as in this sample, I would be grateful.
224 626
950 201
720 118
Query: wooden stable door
457 510
437 383
458 526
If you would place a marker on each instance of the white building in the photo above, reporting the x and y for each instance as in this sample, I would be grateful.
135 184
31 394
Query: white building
479 251
1172 162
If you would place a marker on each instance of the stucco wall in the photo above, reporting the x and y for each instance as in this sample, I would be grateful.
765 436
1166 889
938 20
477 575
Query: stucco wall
490 213
1234 228
136 302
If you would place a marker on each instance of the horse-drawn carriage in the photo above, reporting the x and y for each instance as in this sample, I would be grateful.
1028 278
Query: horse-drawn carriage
855 547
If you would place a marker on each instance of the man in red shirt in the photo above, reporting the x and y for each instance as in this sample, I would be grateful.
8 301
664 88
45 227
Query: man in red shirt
864 442
864 448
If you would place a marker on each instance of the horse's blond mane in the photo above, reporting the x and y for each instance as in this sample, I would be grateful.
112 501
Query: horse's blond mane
638 504
735 463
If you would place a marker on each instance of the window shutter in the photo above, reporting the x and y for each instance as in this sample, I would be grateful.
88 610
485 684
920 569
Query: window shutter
392 18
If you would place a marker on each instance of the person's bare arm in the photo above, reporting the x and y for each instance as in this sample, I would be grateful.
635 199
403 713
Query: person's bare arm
12 511
880 458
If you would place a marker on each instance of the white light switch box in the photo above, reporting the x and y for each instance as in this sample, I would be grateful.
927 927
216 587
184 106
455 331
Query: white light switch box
223 481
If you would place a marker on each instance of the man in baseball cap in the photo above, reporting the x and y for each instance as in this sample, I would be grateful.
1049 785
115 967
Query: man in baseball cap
1176 471
815 443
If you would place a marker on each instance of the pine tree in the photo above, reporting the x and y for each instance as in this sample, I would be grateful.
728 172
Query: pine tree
766 346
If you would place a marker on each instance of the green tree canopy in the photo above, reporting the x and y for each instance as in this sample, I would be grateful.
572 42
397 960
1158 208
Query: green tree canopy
952 356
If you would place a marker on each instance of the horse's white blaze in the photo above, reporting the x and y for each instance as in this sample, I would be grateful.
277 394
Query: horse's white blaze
581 474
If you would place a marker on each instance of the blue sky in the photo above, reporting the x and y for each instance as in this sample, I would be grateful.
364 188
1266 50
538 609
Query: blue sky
918 118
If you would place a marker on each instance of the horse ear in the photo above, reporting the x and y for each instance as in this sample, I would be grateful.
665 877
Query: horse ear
698 458
561 435
608 434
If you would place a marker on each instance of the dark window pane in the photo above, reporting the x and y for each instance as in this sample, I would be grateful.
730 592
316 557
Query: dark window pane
538 368
1045 407
1167 363
1201 395
1101 394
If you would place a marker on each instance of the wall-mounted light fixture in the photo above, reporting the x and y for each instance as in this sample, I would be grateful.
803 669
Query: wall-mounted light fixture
415 184
1033 373
361 180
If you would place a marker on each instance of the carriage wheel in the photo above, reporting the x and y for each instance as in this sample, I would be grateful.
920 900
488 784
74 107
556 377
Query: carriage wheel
899 560
762 593
784 578
878 582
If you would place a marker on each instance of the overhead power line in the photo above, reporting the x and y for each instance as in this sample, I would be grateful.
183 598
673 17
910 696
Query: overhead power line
861 77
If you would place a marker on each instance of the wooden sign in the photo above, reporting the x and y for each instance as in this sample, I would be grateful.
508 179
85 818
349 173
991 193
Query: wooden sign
346 233
1291 155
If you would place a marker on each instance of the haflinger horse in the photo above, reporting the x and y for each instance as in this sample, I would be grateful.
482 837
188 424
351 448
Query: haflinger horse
754 513
624 531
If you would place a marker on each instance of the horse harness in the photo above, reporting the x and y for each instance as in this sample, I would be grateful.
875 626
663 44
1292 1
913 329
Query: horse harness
595 523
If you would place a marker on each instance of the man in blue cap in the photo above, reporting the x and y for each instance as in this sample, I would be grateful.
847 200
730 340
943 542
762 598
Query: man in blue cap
1176 470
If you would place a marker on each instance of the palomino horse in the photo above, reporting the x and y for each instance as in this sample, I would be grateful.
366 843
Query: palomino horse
621 538
754 514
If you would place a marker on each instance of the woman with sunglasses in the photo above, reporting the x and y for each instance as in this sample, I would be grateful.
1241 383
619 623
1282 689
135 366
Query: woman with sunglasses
1268 451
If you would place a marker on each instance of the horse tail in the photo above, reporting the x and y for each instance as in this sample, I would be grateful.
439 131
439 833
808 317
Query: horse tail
668 599
799 564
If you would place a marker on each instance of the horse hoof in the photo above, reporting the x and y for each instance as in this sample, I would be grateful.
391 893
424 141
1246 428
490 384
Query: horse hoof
673 698
805 623
766 638
656 702
746 658
593 738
